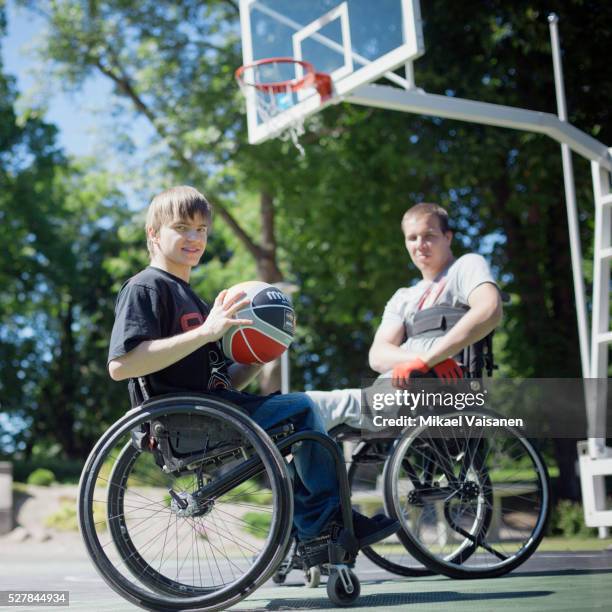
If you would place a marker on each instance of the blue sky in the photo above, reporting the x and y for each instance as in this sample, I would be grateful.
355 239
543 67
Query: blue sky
86 127
74 114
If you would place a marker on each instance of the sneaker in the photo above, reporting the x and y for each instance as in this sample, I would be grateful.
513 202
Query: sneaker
315 551
371 530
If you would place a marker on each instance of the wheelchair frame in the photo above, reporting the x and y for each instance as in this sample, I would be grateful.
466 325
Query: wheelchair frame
155 591
475 359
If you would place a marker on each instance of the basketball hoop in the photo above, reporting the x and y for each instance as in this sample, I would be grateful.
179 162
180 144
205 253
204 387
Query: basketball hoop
275 93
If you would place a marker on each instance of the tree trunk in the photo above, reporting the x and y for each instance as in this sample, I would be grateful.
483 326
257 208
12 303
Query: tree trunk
567 486
57 400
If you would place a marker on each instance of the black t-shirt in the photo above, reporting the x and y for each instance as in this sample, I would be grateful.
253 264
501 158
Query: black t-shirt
156 304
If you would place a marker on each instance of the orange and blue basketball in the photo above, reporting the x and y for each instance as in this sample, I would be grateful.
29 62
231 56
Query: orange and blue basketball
273 325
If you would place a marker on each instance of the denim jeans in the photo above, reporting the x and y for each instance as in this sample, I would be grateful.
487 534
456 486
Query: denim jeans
315 484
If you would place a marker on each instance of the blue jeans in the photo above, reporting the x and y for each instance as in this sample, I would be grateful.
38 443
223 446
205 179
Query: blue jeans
315 485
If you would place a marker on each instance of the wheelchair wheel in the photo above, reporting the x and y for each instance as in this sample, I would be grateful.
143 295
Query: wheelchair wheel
337 590
185 503
366 481
312 577
473 501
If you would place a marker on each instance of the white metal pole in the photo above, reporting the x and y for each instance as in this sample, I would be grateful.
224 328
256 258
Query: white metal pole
289 289
570 202
576 250
285 373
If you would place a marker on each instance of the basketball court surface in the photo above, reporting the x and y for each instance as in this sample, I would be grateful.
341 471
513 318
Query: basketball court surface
572 581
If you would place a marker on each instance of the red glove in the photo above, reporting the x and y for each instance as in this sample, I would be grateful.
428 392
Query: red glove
447 370
402 372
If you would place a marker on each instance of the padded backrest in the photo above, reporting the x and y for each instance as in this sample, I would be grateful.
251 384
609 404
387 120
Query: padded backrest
434 322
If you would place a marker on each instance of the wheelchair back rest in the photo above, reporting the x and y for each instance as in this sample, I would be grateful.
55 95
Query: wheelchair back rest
436 321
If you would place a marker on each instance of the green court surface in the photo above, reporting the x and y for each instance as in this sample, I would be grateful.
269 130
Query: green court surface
572 581
574 590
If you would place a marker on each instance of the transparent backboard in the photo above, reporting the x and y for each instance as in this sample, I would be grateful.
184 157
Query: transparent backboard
357 42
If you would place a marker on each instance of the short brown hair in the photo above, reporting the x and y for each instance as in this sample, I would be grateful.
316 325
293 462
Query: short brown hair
182 202
427 208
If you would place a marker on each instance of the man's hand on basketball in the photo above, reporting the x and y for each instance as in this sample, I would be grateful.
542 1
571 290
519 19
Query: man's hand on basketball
221 315
447 370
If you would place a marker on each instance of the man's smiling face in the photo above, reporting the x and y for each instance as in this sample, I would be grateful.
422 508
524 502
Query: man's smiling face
179 245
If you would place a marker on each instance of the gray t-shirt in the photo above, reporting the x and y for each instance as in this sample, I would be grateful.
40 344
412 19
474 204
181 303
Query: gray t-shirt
452 287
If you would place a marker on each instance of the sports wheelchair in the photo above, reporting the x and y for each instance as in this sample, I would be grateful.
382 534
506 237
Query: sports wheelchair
474 505
185 503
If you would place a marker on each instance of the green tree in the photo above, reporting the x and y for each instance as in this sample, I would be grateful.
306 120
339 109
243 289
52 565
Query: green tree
329 220
54 386
28 157
58 225
171 64
76 395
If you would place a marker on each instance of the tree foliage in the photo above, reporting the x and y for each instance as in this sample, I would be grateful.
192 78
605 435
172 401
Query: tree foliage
329 221
58 225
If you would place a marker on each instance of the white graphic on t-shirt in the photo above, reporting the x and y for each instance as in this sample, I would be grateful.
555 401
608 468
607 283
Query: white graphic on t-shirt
218 378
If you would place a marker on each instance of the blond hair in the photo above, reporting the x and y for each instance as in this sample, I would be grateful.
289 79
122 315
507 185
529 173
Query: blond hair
177 203
426 208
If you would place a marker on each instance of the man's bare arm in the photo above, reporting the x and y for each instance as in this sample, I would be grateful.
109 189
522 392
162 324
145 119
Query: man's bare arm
154 355
483 317
385 352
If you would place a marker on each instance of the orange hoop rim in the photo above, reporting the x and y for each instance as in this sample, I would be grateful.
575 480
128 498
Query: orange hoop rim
320 80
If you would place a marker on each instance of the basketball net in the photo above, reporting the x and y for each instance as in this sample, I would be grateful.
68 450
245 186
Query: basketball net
270 105
273 98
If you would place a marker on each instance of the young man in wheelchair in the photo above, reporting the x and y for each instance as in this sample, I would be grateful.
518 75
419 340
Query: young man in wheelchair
405 344
165 340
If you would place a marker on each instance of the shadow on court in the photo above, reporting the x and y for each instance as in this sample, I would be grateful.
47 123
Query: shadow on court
389 600
568 572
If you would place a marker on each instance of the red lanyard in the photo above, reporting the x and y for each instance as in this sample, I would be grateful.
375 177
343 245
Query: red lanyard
425 295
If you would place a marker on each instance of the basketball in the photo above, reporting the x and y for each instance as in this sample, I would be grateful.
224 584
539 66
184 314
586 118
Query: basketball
273 325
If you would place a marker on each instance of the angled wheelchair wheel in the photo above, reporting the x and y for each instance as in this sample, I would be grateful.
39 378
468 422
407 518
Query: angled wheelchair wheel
366 481
185 503
473 501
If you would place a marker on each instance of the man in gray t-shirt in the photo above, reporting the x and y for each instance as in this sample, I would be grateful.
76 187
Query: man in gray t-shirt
452 287
466 282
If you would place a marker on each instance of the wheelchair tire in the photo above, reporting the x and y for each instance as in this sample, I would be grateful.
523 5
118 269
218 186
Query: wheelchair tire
158 542
312 577
337 592
472 504
365 472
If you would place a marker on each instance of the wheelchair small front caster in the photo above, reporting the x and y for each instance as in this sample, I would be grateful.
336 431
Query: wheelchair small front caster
279 578
312 577
343 587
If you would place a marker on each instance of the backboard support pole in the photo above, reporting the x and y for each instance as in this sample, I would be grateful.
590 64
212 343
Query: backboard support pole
447 107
